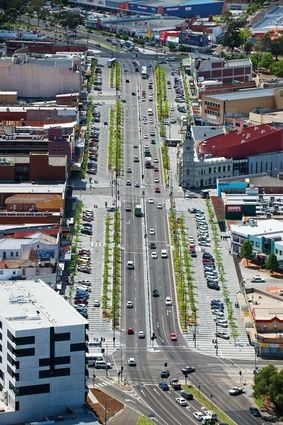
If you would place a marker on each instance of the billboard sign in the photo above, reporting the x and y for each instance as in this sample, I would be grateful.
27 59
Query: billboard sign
123 6
234 208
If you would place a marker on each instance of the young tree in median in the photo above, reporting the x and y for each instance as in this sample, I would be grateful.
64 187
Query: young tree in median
246 250
271 263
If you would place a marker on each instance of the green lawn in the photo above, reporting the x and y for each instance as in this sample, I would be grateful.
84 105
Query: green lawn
206 402
142 420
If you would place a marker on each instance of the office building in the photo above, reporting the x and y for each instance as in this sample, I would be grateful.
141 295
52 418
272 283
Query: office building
42 369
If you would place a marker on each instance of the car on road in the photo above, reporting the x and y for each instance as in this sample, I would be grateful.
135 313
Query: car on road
156 180
159 206
128 183
257 279
168 301
136 159
173 336
152 245
222 323
154 255
145 136
153 142
164 374
130 265
128 208
131 361
182 401
156 160
186 395
96 303
188 369
163 386
151 231
198 416
151 201
155 293
255 412
221 334
130 304
152 133
129 170
236 391
175 384
157 190
141 334
137 184
164 253
133 93
130 331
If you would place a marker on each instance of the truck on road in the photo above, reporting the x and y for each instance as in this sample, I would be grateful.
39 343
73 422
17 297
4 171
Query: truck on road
138 211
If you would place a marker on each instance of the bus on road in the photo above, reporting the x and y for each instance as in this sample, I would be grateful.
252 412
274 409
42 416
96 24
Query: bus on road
144 73
138 211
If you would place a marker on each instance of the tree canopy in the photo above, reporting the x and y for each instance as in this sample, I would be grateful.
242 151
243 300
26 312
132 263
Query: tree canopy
246 250
268 382
271 262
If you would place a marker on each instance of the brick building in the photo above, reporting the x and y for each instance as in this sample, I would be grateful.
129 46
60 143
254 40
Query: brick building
33 167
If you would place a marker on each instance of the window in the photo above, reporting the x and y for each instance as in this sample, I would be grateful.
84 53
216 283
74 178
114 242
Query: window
25 352
54 373
31 389
280 252
23 340
224 168
11 254
17 254
80 346
209 170
54 361
1 272
228 168
62 336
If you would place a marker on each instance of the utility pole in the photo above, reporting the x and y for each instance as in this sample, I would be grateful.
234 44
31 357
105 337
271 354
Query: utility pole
195 334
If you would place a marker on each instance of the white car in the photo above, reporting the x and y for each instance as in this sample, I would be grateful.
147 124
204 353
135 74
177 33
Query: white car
198 416
168 301
164 253
182 401
151 201
141 334
257 279
96 303
151 231
156 160
131 361
130 265
154 255
129 304
191 239
145 136
156 180
159 206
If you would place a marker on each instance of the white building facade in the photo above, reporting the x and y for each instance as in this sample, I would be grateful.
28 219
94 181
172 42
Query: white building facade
42 369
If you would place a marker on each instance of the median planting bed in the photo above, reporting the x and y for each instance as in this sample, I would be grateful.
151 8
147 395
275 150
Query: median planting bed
219 262
182 271
186 96
165 162
161 96
112 268
115 138
115 76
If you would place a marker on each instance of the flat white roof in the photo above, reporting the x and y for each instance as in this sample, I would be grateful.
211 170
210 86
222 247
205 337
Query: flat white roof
31 188
32 304
260 227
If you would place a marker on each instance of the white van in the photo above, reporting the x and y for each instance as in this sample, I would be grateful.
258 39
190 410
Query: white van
91 358
130 265
150 112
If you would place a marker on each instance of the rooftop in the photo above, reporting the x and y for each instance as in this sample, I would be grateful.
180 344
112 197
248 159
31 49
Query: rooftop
201 133
258 180
258 227
31 304
31 188
273 20
243 94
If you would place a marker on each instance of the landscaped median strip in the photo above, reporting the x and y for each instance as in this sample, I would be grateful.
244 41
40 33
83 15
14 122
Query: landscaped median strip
162 100
206 402
87 136
115 76
218 258
165 162
186 95
112 268
115 138
183 272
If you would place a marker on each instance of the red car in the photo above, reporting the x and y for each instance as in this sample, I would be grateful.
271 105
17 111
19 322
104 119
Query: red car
157 190
173 336
156 169
130 331
81 301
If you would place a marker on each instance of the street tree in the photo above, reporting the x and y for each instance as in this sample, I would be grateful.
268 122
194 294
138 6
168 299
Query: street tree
271 263
268 383
277 68
232 37
266 60
70 20
276 47
245 35
246 250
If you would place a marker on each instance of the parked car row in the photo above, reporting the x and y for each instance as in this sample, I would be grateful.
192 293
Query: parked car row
178 86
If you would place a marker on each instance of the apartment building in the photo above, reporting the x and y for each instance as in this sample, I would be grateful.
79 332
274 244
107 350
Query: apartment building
42 369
